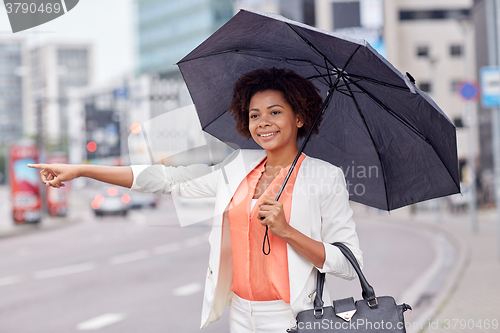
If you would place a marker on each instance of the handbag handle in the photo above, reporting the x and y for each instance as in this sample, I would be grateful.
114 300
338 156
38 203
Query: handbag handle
368 292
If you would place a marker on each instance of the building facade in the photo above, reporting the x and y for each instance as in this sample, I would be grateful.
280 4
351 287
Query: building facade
483 14
167 30
54 69
129 120
433 40
297 10
14 90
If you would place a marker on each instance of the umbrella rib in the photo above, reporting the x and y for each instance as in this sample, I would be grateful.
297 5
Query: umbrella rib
253 55
274 58
328 72
350 58
206 55
325 83
320 76
214 120
367 79
373 141
382 83
343 93
391 112
313 47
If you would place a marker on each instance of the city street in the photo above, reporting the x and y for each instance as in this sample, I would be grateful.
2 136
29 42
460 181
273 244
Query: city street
144 273
402 95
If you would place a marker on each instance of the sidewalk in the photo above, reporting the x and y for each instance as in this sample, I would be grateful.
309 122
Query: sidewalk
469 300
77 202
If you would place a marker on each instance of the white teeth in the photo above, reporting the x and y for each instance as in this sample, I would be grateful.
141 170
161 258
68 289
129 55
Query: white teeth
269 134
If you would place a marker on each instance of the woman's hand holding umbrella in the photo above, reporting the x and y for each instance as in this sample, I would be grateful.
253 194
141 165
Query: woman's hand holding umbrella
274 217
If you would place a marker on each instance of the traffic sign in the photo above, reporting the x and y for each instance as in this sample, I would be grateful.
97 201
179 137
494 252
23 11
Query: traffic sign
490 87
121 93
468 90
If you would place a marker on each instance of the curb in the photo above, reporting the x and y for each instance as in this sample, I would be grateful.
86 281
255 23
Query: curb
50 222
31 228
452 279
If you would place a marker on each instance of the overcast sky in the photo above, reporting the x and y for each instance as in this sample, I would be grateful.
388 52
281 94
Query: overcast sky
108 24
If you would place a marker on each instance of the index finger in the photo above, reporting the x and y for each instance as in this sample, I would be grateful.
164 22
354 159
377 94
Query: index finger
37 166
268 201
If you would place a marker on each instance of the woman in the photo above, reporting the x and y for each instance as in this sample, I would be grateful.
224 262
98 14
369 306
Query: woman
274 107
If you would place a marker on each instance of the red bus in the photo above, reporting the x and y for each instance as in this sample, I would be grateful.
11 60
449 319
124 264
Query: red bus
24 184
57 198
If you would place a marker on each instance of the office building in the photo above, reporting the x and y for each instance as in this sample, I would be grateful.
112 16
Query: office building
361 19
433 40
103 119
297 10
55 68
169 29
483 14
13 90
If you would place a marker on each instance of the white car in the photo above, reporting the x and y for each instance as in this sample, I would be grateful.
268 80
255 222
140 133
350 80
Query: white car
141 200
111 200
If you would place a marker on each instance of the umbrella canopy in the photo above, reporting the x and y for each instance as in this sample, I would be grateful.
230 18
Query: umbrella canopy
394 144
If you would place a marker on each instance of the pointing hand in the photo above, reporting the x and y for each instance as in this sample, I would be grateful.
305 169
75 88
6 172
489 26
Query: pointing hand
55 174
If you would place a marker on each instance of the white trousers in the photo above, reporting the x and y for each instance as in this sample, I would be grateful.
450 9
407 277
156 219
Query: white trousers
259 317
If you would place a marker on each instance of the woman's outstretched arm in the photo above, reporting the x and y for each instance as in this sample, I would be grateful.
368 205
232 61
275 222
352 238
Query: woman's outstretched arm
55 174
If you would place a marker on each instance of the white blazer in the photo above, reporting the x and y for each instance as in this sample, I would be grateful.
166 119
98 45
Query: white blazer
320 210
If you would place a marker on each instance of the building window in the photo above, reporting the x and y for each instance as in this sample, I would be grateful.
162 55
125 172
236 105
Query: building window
456 50
412 15
425 86
309 15
422 51
346 14
458 122
454 86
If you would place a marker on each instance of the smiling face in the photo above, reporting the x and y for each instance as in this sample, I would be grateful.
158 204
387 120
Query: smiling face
272 123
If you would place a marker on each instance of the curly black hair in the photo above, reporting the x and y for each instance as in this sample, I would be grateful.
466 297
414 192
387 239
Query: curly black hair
299 92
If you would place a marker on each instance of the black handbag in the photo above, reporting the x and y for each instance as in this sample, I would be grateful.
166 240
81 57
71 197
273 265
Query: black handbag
371 314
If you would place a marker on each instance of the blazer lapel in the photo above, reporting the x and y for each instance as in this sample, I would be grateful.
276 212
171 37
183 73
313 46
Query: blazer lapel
299 267
233 173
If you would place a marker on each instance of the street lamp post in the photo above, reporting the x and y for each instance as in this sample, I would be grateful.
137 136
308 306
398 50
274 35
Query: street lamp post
494 39
470 120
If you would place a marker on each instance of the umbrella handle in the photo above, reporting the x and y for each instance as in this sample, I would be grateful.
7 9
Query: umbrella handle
266 236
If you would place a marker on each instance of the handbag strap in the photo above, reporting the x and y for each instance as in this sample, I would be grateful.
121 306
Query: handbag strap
368 292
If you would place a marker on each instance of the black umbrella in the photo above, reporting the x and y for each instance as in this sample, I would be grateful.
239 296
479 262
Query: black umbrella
394 144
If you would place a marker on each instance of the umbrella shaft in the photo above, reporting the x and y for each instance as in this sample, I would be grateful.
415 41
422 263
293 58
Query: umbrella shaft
323 108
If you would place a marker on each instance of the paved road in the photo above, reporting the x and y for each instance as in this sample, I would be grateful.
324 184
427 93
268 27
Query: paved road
143 273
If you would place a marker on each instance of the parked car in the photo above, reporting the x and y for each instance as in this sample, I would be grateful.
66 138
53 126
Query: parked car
111 200
141 200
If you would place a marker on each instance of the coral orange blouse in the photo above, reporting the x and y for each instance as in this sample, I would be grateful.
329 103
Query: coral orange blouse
256 276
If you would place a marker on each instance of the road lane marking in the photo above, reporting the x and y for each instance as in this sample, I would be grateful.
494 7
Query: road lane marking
187 289
8 280
197 240
190 242
115 260
100 321
129 257
65 270
167 248
24 251
140 218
